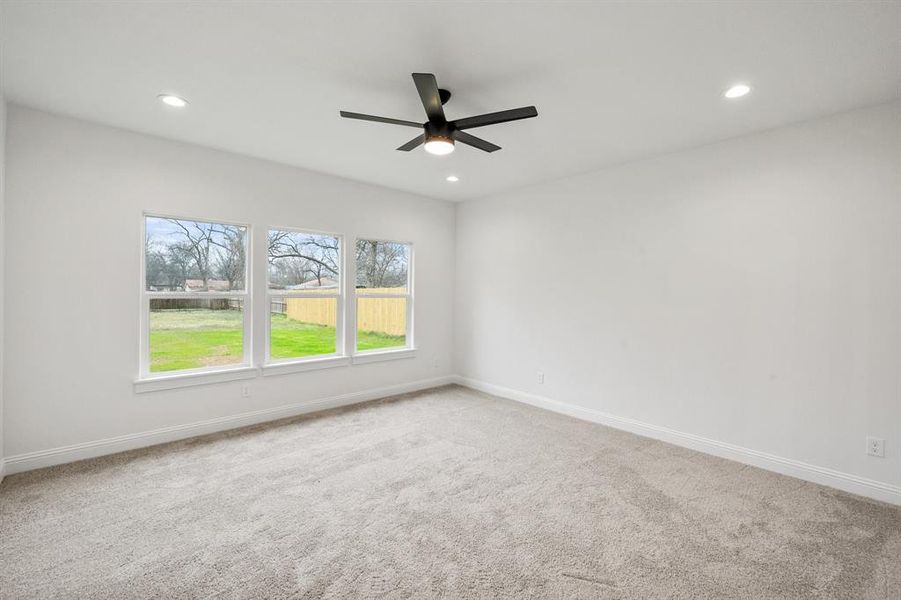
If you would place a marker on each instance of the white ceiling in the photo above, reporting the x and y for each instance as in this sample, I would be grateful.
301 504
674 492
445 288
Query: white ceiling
612 81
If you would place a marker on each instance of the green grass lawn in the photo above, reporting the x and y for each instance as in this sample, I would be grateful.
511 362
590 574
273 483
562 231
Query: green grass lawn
190 339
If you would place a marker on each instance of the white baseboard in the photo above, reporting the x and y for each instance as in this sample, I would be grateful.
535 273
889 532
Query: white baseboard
65 454
821 475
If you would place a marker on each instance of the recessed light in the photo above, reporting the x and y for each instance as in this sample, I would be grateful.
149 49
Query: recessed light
453 178
737 91
170 100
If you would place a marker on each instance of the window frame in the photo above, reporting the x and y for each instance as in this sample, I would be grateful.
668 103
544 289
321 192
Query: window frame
340 310
360 356
246 365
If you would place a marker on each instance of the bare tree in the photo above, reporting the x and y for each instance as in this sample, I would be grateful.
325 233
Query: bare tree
381 264
196 242
287 271
231 260
165 268
155 270
178 265
304 255
206 250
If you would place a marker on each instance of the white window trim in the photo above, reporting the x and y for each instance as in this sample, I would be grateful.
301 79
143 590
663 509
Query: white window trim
408 350
279 366
370 356
182 379
314 363
163 380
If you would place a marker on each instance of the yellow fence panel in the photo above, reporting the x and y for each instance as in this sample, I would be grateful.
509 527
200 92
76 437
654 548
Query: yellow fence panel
382 315
319 311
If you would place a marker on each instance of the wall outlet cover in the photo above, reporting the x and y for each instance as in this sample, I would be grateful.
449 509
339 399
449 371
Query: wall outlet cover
876 447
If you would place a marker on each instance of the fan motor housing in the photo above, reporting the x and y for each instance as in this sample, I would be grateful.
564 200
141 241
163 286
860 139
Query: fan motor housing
438 130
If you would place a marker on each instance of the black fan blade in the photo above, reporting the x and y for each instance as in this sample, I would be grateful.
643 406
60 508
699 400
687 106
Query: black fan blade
471 140
427 87
362 117
503 116
417 141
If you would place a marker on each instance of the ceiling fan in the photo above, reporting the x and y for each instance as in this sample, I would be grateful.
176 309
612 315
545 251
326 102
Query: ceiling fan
439 134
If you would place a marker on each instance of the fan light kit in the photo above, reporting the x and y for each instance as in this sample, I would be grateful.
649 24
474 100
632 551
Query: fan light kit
439 145
170 100
737 91
453 178
438 134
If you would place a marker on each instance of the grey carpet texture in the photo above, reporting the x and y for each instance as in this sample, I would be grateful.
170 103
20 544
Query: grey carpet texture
446 493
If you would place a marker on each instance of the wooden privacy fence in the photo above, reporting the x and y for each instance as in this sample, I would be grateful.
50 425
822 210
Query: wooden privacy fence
318 311
381 315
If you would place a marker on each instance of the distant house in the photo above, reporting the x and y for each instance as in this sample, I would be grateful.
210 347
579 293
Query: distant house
323 283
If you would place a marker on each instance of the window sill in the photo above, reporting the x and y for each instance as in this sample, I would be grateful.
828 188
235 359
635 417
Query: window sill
378 356
311 364
171 382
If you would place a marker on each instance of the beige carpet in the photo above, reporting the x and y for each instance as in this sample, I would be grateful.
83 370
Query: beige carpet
447 493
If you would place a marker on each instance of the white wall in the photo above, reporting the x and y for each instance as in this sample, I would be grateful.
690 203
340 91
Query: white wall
747 292
2 246
74 203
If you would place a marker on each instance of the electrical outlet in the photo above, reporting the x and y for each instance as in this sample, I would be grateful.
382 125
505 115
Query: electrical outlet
540 376
876 447
435 363
245 391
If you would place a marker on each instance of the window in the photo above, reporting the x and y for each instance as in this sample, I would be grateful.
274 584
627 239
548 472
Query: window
195 297
196 302
384 295
306 312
